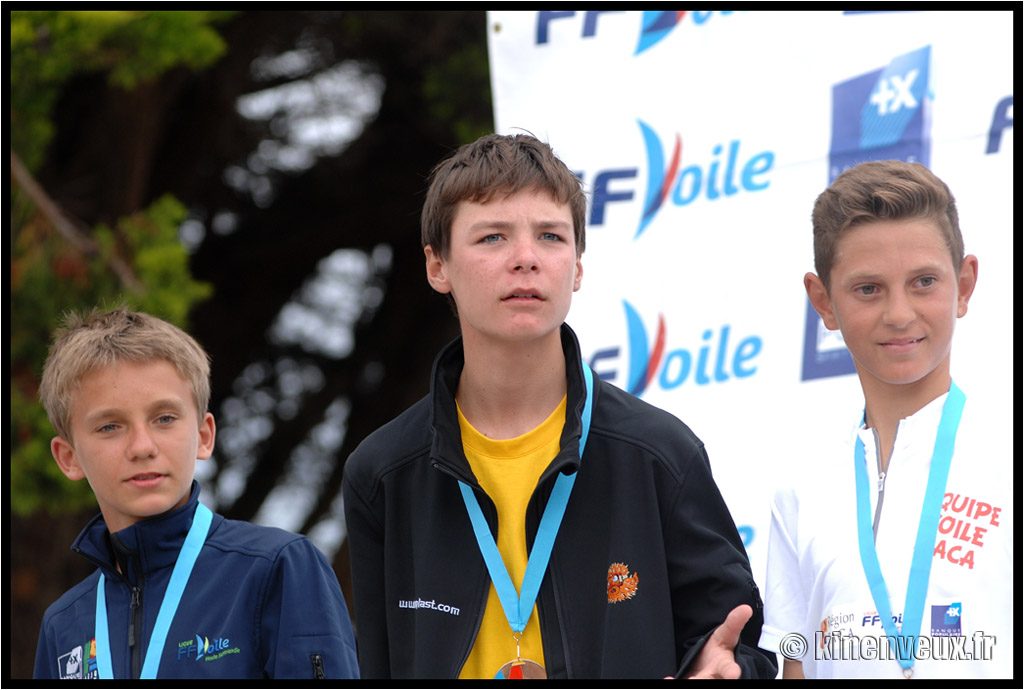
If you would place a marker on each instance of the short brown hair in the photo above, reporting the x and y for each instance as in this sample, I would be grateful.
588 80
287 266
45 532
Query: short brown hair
85 344
497 164
882 190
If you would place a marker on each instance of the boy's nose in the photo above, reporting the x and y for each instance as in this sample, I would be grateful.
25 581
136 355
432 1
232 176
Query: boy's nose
524 256
140 444
899 311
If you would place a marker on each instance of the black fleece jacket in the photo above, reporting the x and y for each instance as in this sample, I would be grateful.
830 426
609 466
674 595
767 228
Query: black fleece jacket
644 498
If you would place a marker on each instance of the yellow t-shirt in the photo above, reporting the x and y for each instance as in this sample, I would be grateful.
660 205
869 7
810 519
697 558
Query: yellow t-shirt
508 470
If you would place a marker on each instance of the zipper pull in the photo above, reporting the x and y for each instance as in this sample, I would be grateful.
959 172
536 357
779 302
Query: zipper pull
318 666
131 617
881 481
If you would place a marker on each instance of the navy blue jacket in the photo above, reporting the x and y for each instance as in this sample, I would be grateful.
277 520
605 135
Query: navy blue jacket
260 603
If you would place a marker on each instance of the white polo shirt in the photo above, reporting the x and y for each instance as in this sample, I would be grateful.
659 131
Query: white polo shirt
816 585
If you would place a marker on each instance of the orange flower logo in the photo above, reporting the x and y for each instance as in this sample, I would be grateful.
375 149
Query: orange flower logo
621 585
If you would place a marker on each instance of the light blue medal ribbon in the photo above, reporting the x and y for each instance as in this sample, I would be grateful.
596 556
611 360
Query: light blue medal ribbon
904 645
194 541
518 607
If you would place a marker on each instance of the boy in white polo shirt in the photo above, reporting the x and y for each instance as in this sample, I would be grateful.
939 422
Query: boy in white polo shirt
890 555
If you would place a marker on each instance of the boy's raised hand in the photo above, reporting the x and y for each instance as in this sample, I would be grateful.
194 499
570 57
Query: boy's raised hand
717 659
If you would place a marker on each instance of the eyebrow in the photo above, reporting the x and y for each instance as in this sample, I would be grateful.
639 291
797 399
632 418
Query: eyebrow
504 225
553 224
874 277
489 224
165 403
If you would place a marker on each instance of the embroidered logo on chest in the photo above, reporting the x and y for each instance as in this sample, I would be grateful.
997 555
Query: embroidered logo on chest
621 585
202 648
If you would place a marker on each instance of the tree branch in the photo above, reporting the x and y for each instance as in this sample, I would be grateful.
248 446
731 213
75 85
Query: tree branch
63 225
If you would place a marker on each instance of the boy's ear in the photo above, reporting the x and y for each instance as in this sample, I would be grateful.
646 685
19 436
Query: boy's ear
818 295
207 435
67 460
965 284
437 273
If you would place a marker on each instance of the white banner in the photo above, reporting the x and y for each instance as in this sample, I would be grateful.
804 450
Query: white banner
703 139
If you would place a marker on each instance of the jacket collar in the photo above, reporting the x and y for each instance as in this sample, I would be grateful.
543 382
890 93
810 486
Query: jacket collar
446 450
142 548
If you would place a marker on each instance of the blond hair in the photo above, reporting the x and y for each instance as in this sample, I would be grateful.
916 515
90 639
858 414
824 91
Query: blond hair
88 343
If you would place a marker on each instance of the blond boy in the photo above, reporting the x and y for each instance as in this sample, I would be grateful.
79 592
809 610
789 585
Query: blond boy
179 592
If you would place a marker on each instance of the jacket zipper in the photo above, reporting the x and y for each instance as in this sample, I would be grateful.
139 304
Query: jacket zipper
134 625
756 594
134 609
556 595
318 666
881 480
472 483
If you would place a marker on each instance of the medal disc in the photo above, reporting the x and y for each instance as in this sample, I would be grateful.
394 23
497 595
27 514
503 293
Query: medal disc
522 669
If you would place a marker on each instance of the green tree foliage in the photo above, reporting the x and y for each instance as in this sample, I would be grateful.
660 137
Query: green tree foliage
58 264
49 47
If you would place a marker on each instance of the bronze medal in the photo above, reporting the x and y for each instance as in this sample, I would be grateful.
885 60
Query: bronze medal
522 669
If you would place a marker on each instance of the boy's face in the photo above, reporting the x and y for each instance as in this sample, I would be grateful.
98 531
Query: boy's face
136 438
895 296
512 266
